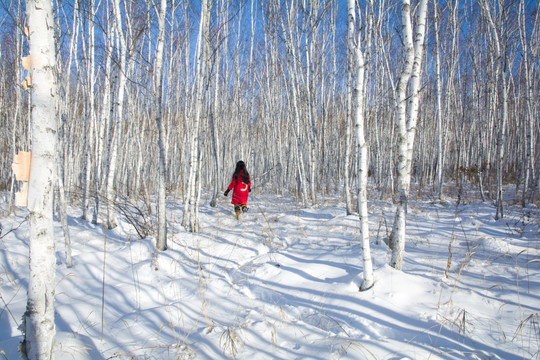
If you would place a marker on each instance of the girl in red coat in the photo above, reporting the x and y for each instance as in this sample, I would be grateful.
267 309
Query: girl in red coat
241 186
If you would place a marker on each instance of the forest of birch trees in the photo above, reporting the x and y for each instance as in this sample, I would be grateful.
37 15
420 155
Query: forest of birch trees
128 104
159 99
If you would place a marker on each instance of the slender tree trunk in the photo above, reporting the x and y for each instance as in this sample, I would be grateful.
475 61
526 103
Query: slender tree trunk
161 241
17 111
39 316
64 221
348 139
311 113
439 179
288 33
63 139
101 126
407 108
110 168
116 119
191 216
215 111
529 118
90 119
356 58
500 61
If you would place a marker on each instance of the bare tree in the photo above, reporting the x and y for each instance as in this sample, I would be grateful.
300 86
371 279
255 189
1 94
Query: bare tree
105 116
348 142
90 118
114 132
500 66
191 216
17 107
39 323
407 115
161 242
357 64
529 118
439 109
218 52
289 24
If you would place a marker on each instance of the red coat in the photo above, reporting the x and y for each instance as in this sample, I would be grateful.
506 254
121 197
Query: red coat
240 190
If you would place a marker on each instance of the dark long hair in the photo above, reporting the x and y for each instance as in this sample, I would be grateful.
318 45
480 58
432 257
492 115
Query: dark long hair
241 169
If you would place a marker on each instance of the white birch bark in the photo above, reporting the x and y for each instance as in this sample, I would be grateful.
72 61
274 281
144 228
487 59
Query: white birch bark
501 123
439 180
110 168
17 109
101 126
191 216
449 92
91 111
118 112
39 316
407 115
311 111
161 241
63 219
63 143
288 33
215 109
529 121
348 141
356 58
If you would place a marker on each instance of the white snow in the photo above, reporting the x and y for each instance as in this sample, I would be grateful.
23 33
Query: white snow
282 283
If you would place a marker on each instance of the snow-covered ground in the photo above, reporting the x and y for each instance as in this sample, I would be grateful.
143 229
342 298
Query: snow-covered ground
282 283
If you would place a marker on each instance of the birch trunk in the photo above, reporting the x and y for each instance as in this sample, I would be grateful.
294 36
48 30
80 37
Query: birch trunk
439 179
214 112
91 112
191 216
39 316
63 141
500 60
292 59
110 168
101 127
529 118
356 58
17 108
161 242
348 142
311 111
116 119
407 115
64 220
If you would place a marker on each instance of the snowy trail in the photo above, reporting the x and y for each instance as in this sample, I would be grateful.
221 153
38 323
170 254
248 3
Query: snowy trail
282 283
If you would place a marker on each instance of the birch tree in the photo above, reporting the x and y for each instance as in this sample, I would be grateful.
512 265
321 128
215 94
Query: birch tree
161 242
529 118
90 118
407 116
500 60
357 66
439 181
348 140
191 216
17 108
220 37
39 326
118 111
291 38
105 120
312 24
